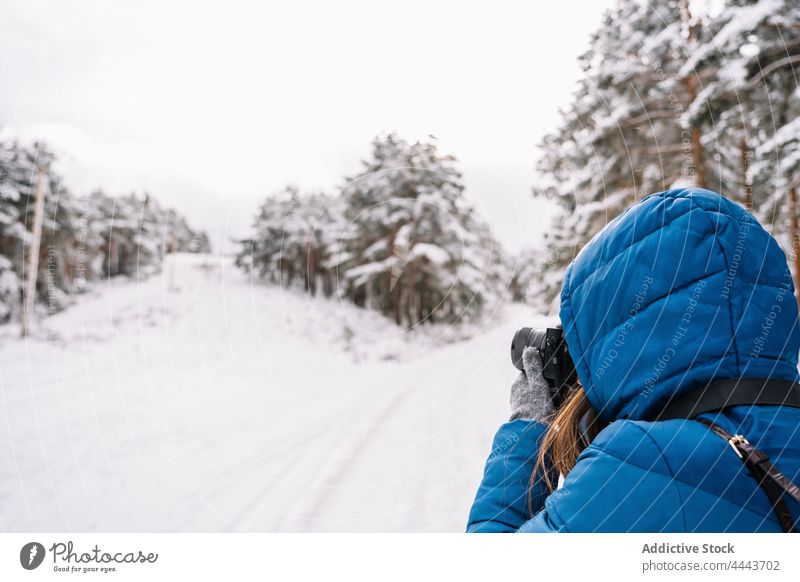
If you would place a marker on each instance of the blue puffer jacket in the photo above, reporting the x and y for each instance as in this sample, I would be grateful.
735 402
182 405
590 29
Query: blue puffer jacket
682 289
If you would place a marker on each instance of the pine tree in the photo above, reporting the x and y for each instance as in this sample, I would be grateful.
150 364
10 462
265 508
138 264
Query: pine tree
730 109
260 254
413 249
774 75
623 136
751 109
669 98
310 232
530 269
19 170
399 239
294 237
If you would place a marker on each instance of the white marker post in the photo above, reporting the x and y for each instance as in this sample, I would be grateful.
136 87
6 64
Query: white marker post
29 291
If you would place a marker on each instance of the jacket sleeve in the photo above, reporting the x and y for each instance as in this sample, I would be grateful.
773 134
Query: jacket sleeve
620 483
502 501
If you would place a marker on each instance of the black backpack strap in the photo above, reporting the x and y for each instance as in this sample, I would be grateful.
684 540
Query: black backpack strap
774 483
733 392
748 391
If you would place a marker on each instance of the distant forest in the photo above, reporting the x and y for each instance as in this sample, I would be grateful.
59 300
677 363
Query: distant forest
673 93
83 238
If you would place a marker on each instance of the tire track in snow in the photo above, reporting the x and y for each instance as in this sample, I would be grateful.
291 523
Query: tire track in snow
277 477
341 465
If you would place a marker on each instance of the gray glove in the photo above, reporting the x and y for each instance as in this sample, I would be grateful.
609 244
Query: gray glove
530 394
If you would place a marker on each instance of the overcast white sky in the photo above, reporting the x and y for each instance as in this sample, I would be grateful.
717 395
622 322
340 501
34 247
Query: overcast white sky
211 106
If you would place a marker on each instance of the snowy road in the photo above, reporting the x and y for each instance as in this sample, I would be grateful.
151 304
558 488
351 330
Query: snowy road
197 401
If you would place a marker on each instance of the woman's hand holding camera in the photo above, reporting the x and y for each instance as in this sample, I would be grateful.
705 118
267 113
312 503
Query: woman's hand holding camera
530 393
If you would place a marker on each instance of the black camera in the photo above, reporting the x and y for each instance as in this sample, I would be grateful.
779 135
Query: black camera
557 366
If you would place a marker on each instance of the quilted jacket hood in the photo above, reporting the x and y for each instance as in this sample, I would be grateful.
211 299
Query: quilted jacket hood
683 288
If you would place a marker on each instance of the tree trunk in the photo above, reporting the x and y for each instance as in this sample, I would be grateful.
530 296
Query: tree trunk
697 159
697 146
394 298
311 270
795 232
691 89
113 258
397 311
744 156
408 275
327 285
290 275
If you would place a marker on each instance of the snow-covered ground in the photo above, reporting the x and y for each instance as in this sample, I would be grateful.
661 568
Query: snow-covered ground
198 400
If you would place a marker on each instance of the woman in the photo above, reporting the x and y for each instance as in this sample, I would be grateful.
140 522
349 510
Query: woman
683 289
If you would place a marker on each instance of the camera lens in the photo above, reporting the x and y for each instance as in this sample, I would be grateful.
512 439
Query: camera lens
527 336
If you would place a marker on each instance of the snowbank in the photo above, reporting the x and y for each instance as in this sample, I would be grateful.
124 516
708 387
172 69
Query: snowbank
198 400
